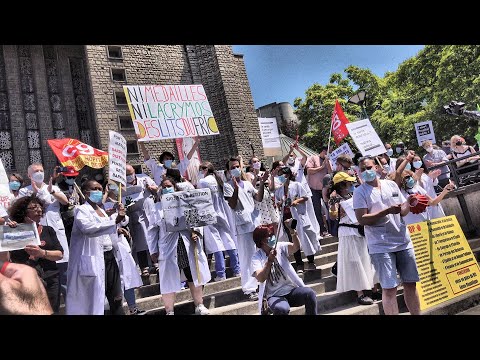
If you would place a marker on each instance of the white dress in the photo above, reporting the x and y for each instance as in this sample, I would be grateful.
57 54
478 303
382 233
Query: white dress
354 267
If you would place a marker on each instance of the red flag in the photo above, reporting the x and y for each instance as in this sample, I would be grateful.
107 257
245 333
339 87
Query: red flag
71 152
339 120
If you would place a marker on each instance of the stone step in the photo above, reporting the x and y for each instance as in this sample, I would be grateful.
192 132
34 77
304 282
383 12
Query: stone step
326 249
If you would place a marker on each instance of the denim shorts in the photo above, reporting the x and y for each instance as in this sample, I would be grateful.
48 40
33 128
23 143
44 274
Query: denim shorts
387 264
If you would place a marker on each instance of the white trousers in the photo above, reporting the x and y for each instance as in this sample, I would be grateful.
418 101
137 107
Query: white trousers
246 248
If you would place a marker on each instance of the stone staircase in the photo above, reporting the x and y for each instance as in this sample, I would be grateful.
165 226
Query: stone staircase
226 297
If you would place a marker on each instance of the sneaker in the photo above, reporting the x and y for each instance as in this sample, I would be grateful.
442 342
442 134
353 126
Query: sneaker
201 310
376 296
137 311
364 300
217 278
236 275
299 270
170 313
253 296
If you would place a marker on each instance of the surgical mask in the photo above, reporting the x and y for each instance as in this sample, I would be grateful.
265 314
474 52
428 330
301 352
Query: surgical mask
14 185
410 183
408 167
38 177
369 175
236 172
70 181
257 165
429 149
113 187
398 150
417 164
200 175
387 168
168 190
291 160
130 178
168 163
389 152
96 196
281 179
272 240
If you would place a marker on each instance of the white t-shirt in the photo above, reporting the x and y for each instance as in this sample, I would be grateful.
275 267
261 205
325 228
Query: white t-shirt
246 216
389 234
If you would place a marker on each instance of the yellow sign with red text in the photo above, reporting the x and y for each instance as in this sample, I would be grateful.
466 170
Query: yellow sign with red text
446 264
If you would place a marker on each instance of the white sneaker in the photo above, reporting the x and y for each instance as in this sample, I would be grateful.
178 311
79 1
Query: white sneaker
201 310
217 278
170 313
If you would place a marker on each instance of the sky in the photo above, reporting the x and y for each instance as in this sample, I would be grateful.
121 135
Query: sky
279 73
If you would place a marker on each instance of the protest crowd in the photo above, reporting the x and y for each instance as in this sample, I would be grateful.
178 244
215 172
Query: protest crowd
99 240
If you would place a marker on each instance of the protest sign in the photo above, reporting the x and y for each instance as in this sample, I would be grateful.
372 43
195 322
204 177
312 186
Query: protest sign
445 262
170 111
366 138
270 137
424 132
117 158
18 237
188 209
5 195
344 149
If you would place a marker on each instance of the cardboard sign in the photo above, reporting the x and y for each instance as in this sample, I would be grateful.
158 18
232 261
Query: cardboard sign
117 158
445 262
366 138
170 111
185 210
424 132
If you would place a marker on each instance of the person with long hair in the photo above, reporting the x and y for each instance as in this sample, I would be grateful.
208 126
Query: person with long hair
219 237
43 257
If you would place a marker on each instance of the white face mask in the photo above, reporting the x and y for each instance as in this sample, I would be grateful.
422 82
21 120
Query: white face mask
389 152
38 177
291 160
257 165
130 178
429 149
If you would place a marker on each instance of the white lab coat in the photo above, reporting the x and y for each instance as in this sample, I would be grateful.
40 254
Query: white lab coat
165 244
52 215
86 268
219 236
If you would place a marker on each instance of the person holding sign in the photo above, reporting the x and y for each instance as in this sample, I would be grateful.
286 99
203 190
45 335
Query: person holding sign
30 209
180 257
379 206
93 273
354 270
166 160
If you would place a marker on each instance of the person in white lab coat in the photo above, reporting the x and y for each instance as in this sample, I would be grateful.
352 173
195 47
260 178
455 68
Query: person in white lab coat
93 272
179 255
53 198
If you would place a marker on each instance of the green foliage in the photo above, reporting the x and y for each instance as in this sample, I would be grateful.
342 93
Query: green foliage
415 92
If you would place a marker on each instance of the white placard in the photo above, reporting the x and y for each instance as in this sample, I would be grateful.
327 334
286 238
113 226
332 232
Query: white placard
269 133
344 149
117 158
18 237
424 132
185 210
5 195
366 138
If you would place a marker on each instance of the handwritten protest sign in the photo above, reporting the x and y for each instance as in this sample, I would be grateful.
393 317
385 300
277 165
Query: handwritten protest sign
344 149
188 209
446 264
5 195
270 137
366 138
18 237
170 111
117 158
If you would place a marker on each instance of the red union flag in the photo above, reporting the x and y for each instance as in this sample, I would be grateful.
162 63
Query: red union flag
71 152
339 120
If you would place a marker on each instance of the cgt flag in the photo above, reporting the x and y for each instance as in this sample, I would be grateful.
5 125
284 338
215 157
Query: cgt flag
71 152
339 121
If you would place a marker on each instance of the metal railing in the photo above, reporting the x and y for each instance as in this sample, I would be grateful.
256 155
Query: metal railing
465 175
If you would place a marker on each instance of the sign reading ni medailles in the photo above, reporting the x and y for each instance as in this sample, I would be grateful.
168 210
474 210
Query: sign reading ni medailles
446 264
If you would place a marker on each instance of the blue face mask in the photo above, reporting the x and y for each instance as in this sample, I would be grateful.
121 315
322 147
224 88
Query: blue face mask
272 240
168 190
408 167
168 163
96 196
351 189
417 164
281 179
369 175
70 181
14 185
410 183
236 172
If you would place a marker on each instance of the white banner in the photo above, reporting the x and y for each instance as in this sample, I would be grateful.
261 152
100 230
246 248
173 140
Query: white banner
188 209
117 158
170 111
424 132
5 195
366 138
344 149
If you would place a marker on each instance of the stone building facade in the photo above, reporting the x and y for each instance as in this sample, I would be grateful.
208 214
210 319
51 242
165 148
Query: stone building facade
287 120
57 91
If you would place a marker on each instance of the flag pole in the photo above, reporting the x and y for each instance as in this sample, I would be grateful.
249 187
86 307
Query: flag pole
330 135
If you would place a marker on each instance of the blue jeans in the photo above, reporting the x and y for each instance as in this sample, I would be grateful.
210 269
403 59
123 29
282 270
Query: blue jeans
220 262
130 297
280 305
